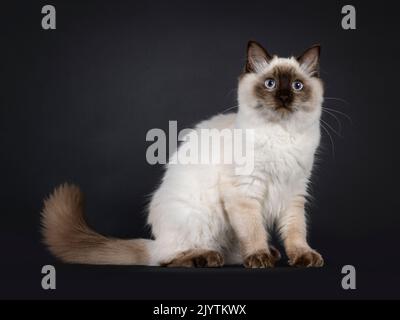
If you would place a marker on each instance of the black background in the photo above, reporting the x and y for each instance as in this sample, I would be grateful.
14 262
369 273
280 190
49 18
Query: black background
77 102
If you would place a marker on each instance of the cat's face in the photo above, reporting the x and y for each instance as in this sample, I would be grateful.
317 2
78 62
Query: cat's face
279 89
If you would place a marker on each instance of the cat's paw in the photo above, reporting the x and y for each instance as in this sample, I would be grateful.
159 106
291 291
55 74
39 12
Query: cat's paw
262 259
305 258
196 259
275 253
209 259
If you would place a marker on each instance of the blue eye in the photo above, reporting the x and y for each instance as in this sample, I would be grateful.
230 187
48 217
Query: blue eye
270 84
297 85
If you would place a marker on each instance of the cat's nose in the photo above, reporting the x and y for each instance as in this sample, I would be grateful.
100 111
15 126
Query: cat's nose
284 97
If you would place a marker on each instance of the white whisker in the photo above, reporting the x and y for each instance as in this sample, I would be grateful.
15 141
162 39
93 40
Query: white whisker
336 118
337 99
230 108
339 112
330 127
330 138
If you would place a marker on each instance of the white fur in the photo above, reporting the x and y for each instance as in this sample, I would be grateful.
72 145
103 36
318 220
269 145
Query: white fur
187 210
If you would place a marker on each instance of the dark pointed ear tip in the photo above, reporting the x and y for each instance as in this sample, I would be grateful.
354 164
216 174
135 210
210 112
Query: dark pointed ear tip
251 43
317 47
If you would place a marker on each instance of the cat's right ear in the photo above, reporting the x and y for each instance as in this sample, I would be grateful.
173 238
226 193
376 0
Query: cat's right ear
257 57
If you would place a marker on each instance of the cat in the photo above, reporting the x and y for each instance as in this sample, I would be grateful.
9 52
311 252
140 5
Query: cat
210 216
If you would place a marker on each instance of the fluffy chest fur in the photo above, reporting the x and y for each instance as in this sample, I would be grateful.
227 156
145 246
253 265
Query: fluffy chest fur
283 160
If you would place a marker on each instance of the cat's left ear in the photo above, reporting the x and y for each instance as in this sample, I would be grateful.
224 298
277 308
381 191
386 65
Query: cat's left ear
309 60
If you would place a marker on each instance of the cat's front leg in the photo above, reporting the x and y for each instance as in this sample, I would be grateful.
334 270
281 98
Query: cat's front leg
245 215
293 230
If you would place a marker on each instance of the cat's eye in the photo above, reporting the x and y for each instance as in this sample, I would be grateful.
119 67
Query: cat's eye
270 84
297 85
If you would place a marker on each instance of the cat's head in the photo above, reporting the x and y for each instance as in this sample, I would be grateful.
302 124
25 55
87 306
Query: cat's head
281 89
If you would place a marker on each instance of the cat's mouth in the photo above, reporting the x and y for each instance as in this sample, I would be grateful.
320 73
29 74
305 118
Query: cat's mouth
283 109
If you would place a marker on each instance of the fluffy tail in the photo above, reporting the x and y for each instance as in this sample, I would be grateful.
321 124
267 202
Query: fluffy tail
70 239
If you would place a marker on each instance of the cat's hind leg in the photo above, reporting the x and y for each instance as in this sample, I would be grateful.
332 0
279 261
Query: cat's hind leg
200 258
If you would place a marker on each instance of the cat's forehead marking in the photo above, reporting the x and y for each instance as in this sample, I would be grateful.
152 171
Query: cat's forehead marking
284 67
287 71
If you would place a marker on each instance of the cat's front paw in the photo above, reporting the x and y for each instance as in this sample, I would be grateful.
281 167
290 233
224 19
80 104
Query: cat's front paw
262 259
305 258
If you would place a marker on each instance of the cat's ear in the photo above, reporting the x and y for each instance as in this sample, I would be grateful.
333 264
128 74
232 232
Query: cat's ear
309 60
257 57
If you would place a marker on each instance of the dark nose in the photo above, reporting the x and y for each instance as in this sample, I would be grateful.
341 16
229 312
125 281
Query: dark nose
284 97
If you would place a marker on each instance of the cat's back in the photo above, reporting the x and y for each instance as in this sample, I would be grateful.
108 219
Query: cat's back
195 176
219 121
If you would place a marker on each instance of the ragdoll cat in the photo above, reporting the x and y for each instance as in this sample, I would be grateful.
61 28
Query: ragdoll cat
208 216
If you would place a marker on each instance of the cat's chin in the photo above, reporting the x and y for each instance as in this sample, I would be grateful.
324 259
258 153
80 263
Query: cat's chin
276 113
283 110
279 113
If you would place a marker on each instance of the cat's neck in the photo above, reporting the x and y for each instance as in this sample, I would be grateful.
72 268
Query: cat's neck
292 126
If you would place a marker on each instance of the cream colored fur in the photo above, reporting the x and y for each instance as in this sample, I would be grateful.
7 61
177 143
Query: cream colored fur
209 207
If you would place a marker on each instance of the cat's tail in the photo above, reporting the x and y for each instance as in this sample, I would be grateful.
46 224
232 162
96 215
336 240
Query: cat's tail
70 239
